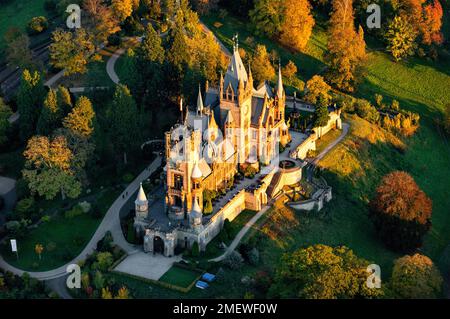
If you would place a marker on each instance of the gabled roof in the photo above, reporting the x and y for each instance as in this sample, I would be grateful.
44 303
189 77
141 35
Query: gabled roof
235 72
263 88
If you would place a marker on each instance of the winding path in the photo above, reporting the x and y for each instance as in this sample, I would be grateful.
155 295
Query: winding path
110 222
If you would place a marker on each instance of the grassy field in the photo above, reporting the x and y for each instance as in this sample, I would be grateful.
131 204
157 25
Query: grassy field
18 13
179 276
61 238
325 140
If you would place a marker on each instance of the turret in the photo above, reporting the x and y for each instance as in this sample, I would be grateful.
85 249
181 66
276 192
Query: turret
141 204
279 88
195 216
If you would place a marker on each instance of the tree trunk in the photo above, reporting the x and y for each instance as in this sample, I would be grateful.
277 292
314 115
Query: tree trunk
125 158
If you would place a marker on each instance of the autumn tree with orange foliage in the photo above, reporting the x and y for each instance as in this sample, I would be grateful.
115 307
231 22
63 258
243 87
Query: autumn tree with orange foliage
401 212
346 46
297 24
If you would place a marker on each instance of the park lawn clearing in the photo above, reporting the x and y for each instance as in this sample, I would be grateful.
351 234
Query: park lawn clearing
62 238
180 277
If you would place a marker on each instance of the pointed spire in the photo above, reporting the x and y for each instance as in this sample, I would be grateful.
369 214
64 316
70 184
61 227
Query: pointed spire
199 101
229 120
196 207
196 172
141 198
279 87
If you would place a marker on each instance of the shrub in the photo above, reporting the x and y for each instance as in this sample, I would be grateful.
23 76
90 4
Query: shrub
208 208
366 111
37 25
233 260
25 207
127 178
253 257
77 210
104 261
85 206
195 250
45 218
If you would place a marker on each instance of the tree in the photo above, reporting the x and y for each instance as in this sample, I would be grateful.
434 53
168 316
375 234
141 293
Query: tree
151 48
17 48
321 115
346 47
64 101
416 277
101 20
432 24
29 100
71 51
38 248
289 71
106 293
122 9
316 87
5 113
123 293
47 168
401 212
400 38
37 25
262 69
203 7
50 117
124 121
267 16
297 24
322 272
81 119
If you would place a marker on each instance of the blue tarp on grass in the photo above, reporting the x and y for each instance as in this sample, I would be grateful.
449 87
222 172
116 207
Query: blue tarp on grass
208 277
201 284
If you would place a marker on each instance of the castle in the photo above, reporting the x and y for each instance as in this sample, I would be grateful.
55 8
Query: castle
234 126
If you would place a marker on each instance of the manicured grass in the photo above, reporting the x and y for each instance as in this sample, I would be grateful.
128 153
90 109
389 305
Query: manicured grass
18 13
67 236
179 276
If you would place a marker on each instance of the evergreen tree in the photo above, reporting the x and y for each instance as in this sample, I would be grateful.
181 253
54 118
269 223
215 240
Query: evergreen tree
50 117
151 48
29 101
5 113
124 121
321 115
81 119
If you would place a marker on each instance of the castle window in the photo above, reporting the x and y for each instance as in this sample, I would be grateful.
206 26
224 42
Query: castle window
178 184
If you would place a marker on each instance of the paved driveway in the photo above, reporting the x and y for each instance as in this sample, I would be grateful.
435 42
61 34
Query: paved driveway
147 265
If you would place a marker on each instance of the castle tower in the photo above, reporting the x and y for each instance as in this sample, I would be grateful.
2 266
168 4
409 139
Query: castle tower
280 95
199 102
196 177
195 216
141 205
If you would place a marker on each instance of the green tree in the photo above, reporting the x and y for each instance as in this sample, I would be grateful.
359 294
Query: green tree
5 113
81 119
416 277
50 117
151 48
400 37
267 17
321 115
124 121
29 101
401 212
262 69
322 272
17 48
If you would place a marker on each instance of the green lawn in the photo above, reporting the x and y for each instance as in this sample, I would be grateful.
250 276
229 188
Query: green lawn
67 236
18 13
179 276
325 140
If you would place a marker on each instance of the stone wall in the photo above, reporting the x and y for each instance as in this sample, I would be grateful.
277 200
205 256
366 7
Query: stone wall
319 198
